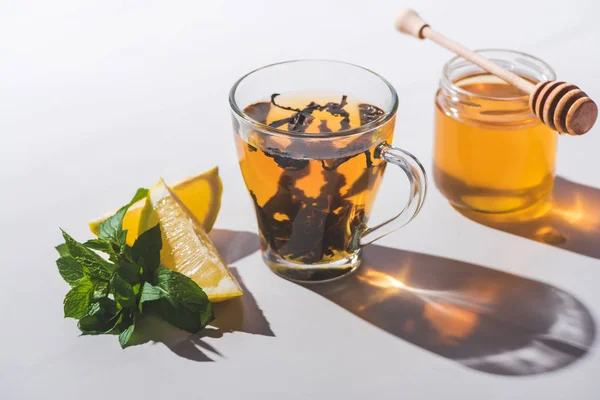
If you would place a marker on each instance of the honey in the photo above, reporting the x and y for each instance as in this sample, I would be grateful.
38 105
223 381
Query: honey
491 154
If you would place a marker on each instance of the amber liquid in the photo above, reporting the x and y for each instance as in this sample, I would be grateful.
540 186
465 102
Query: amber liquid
310 211
489 163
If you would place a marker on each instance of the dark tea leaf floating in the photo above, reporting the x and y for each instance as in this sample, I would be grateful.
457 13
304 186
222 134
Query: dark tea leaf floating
311 229
274 95
311 239
369 113
299 122
367 179
284 162
281 122
301 119
369 161
334 163
285 204
337 109
258 111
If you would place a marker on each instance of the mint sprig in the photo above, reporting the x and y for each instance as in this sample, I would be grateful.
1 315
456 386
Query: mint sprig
110 295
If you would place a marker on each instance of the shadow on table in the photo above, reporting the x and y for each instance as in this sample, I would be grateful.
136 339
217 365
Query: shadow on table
571 221
484 319
237 315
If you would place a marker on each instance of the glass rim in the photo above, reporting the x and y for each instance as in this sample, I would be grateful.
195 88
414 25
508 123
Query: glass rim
445 80
381 120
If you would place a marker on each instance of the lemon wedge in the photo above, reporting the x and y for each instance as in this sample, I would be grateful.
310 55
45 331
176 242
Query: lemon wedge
186 246
201 195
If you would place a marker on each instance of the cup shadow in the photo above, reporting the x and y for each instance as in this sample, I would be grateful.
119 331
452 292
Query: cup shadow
481 318
237 315
570 221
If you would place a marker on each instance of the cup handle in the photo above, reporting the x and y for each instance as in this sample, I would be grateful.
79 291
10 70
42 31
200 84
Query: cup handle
417 179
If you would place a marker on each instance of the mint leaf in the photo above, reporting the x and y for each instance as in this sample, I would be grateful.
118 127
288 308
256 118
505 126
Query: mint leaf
181 288
149 292
112 225
78 299
139 195
146 249
98 244
62 250
91 322
111 230
70 270
131 272
108 305
123 291
182 302
178 315
125 335
108 296
94 265
97 321
101 291
94 325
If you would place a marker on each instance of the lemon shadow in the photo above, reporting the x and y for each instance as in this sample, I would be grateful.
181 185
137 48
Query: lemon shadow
241 314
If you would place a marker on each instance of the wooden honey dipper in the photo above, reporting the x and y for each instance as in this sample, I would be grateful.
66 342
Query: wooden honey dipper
561 106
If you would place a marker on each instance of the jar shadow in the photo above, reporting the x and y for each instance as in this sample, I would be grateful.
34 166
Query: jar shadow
570 220
481 318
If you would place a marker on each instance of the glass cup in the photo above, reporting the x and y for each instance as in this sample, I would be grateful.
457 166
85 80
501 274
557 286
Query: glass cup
312 191
491 154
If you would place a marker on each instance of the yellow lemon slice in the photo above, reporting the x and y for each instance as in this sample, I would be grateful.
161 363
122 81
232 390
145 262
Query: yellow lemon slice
201 195
186 246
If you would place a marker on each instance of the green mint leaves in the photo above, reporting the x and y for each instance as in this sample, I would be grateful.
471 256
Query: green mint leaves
108 296
180 301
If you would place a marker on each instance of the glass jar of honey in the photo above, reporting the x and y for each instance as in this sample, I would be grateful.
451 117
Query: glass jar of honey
491 154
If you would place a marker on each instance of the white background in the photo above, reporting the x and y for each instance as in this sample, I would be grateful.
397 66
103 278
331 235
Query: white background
99 98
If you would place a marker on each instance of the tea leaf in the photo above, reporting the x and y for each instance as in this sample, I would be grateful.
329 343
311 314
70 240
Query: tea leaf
258 111
369 113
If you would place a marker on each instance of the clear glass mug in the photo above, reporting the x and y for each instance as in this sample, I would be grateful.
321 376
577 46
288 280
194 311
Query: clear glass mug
492 155
313 191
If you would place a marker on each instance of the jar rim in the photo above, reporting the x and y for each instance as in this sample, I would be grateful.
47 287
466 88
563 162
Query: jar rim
527 61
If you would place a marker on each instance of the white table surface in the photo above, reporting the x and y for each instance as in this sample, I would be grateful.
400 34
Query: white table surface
99 98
